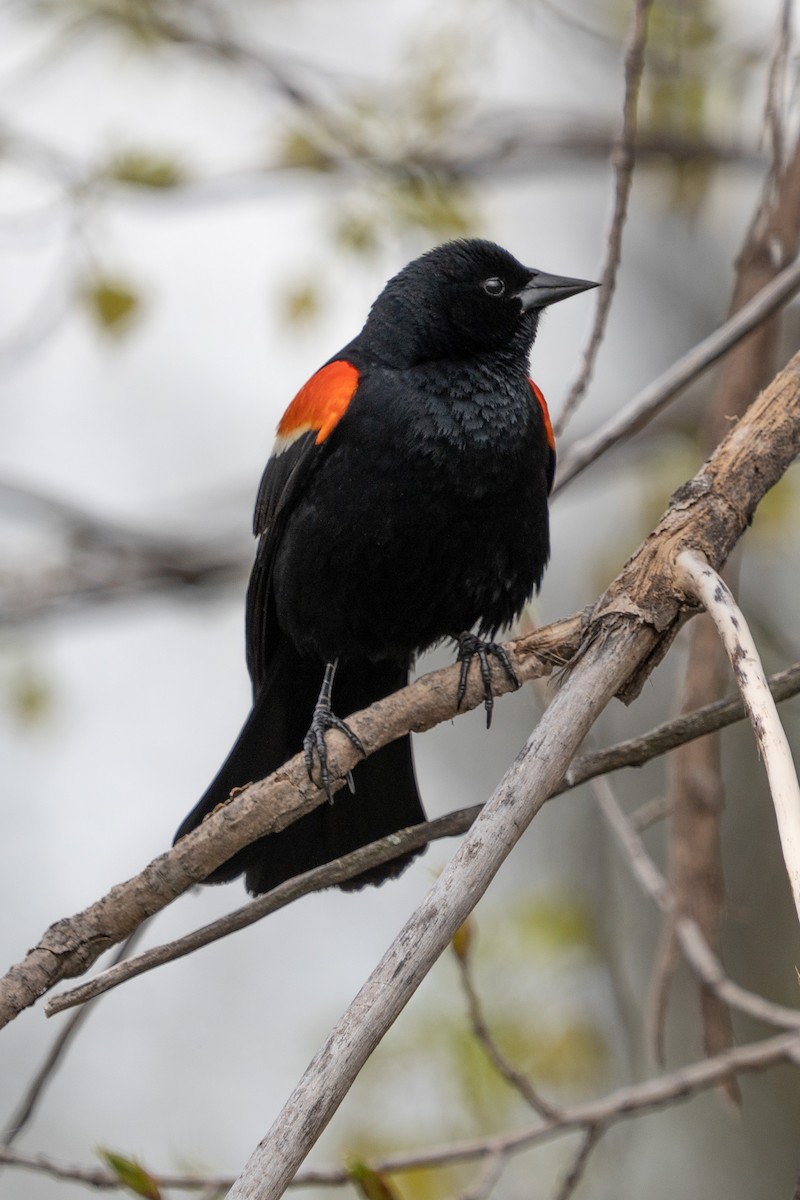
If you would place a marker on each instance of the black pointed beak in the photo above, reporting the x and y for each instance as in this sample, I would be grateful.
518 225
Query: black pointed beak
543 289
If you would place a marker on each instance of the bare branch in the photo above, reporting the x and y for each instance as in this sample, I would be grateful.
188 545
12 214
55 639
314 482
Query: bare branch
631 753
711 513
657 395
108 560
623 157
483 1186
70 946
636 751
619 1105
623 1103
328 875
29 1102
102 1180
483 1035
698 953
573 1177
640 607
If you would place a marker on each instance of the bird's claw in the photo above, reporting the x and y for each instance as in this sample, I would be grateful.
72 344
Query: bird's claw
314 744
471 646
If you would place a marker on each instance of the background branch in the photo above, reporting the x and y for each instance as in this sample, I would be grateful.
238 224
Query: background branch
654 398
623 159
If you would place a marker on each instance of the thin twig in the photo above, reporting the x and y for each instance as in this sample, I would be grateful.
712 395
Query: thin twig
634 752
650 813
621 1104
483 1035
102 1180
625 1102
487 1179
657 395
327 875
27 1105
623 157
576 1171
690 937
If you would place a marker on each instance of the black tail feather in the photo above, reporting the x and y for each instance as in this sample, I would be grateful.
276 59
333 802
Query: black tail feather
385 799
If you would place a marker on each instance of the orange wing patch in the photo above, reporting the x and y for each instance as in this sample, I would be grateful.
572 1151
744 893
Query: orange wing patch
548 428
319 405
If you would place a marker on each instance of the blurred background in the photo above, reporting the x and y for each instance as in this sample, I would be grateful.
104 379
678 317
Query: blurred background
198 203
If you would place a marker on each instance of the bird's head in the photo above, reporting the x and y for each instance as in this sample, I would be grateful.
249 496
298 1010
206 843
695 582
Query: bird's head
463 298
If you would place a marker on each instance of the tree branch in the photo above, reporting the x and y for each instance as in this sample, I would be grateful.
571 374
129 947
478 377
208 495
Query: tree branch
688 933
623 157
70 946
631 753
631 628
622 1104
657 395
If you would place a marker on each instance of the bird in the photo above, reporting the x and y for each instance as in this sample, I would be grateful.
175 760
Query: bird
405 503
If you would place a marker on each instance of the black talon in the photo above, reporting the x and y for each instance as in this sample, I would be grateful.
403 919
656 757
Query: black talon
471 646
314 742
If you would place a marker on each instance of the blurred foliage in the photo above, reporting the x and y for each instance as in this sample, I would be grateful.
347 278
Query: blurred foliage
130 1174
551 923
144 169
138 20
436 1057
29 696
300 303
421 1183
368 1183
112 303
396 136
681 78
776 516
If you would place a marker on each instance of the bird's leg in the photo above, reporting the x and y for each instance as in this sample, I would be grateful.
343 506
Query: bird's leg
323 720
471 646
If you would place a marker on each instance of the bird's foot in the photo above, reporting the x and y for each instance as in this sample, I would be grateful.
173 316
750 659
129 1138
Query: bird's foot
471 646
314 742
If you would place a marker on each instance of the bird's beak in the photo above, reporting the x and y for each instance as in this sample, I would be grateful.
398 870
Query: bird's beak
543 289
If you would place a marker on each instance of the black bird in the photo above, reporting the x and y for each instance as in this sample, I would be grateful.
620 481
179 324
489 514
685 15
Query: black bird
405 502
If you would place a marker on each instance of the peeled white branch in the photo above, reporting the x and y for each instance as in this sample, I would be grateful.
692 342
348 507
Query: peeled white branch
699 579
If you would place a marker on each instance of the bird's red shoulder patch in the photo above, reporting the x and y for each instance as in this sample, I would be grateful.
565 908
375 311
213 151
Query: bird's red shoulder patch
319 405
548 428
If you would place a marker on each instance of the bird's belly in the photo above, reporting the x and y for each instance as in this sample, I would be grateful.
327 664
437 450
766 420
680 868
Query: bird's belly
409 556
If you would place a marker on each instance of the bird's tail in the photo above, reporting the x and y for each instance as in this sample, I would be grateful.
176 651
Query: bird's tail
385 798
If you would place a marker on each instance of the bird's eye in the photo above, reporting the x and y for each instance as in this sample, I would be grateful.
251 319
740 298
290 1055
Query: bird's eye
494 286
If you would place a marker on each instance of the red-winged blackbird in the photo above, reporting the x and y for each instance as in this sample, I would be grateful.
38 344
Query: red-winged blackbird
405 502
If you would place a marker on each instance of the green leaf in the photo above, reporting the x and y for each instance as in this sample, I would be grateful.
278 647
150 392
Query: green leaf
300 149
30 696
111 303
131 1174
369 1183
301 304
356 233
142 169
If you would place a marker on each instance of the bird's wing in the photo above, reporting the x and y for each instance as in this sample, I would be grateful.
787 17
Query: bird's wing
302 432
548 429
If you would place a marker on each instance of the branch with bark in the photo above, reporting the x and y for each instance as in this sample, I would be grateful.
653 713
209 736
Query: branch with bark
641 607
631 628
